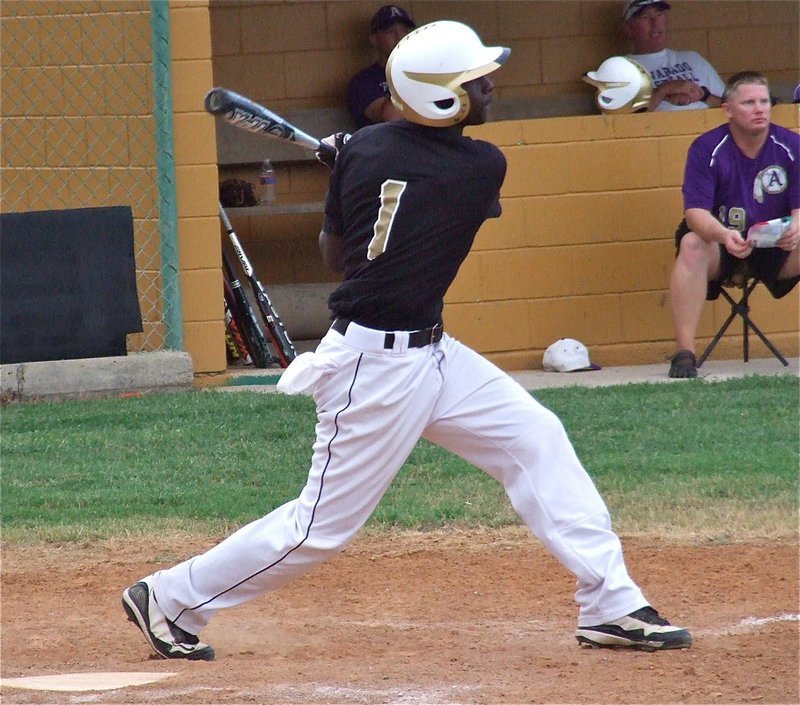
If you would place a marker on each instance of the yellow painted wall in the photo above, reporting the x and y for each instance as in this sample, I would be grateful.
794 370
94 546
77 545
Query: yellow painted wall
78 131
71 138
300 55
526 283
585 244
291 55
197 191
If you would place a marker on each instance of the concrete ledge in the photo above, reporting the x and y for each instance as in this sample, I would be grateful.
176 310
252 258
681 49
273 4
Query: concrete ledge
65 379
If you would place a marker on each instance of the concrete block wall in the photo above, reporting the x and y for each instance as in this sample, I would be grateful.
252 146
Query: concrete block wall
196 178
63 147
292 55
299 55
583 192
584 246
74 149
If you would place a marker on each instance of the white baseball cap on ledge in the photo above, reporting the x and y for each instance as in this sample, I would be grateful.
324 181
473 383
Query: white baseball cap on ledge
567 355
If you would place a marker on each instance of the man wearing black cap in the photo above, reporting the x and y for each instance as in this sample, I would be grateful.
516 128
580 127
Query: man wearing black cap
682 80
368 94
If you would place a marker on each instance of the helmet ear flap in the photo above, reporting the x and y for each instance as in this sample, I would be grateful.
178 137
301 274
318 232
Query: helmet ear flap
623 85
436 100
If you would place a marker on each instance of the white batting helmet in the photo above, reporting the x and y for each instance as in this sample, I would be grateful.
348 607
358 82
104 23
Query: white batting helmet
623 85
427 67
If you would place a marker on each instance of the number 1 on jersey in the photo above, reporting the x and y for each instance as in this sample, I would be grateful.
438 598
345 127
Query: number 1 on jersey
391 192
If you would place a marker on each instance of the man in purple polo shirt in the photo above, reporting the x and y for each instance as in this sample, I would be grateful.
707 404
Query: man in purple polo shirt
368 97
737 174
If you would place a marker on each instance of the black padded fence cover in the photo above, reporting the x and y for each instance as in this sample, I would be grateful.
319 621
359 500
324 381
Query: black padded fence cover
67 284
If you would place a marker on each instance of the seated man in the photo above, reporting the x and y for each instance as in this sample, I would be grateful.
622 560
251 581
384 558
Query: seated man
682 80
368 97
738 174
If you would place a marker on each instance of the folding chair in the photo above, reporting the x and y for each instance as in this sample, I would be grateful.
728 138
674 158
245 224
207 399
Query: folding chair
746 282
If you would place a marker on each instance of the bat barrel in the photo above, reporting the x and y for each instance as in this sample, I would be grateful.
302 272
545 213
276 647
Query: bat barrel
248 115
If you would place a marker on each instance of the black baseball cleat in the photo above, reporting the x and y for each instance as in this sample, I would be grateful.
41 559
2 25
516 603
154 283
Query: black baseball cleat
642 629
166 639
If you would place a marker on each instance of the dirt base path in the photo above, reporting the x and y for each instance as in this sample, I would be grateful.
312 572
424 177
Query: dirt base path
483 617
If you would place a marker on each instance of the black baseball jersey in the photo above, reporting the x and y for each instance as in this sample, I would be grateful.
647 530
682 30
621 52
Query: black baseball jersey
408 201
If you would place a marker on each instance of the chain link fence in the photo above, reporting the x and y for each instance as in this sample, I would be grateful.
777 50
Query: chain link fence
86 122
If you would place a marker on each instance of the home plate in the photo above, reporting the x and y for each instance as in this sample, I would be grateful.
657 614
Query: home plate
84 681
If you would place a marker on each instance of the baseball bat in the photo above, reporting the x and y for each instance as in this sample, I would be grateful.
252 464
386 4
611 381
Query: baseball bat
280 339
250 327
237 344
235 349
246 114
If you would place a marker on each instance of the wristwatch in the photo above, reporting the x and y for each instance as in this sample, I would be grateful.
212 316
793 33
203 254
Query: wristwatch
706 95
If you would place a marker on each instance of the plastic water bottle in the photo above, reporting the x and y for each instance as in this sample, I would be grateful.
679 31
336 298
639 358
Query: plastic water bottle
266 184
768 232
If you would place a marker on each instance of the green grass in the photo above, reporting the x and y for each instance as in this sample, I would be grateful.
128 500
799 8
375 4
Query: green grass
699 460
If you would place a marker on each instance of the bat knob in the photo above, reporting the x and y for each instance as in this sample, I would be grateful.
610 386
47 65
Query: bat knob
214 101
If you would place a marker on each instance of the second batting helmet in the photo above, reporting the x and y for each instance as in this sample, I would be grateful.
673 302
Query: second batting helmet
623 85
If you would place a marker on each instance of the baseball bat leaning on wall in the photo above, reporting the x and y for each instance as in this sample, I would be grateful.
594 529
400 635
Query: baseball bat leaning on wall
237 344
248 115
280 339
245 317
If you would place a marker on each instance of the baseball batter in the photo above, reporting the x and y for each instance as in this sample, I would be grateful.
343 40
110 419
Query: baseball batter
405 201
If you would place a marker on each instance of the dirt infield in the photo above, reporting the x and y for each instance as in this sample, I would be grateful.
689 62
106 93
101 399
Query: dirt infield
449 617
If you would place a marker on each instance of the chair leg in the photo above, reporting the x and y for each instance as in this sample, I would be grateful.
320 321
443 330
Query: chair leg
721 331
742 308
765 340
748 323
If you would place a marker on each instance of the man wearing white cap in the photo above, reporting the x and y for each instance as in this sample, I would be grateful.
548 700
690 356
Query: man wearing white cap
682 80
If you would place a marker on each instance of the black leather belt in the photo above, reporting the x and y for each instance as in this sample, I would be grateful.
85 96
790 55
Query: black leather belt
416 339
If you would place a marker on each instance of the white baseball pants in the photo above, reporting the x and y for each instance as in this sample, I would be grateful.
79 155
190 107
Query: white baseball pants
373 405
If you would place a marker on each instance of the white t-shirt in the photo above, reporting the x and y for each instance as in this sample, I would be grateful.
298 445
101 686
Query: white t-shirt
668 65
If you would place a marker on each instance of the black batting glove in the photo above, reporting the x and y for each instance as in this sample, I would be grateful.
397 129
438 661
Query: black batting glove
329 147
